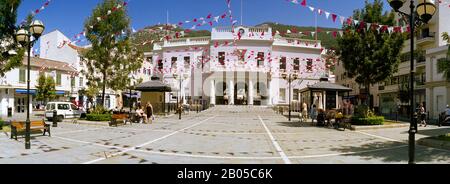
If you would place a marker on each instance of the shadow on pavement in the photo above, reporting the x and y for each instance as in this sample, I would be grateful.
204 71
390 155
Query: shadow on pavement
391 152
434 132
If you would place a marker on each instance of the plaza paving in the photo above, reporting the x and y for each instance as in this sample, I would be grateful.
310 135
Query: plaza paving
236 135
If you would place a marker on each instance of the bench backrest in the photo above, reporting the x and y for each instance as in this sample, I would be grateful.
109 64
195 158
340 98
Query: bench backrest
119 116
21 125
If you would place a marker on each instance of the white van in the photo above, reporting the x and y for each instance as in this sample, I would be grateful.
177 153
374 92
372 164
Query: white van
63 110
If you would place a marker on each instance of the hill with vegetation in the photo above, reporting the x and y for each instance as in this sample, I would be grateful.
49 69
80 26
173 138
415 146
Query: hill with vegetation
145 38
328 41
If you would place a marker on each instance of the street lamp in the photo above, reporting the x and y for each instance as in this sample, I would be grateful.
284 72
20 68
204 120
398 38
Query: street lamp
290 78
181 78
423 14
130 99
24 36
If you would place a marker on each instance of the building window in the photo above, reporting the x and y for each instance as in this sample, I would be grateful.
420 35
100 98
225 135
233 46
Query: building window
282 94
283 63
150 59
160 65
72 82
174 62
309 65
260 59
58 78
296 94
21 75
296 64
144 71
149 72
81 82
187 62
222 58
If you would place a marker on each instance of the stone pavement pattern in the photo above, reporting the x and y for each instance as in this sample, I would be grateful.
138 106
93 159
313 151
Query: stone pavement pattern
236 135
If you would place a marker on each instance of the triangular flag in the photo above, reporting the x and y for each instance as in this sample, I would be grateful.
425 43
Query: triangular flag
327 14
303 3
311 8
342 19
334 16
369 25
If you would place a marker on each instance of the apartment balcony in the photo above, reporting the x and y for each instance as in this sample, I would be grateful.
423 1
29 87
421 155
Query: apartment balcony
426 38
299 43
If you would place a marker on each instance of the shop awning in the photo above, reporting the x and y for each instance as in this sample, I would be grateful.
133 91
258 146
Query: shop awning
33 92
24 91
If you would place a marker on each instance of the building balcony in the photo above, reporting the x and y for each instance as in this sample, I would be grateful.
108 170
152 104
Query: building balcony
201 41
426 38
247 33
300 43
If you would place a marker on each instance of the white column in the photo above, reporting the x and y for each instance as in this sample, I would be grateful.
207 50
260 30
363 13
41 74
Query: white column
231 92
269 90
213 93
250 92
337 100
184 91
324 100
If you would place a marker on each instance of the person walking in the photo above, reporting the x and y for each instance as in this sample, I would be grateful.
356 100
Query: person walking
423 115
149 111
313 113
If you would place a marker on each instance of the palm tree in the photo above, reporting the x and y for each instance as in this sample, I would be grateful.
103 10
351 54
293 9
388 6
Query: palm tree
444 63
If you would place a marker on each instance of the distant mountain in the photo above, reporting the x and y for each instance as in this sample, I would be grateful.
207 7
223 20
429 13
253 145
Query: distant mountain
144 37
328 41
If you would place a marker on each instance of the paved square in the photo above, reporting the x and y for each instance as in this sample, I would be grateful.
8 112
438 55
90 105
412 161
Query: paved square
237 135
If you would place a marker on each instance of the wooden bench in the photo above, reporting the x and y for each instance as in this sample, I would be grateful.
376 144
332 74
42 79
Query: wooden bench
119 119
17 127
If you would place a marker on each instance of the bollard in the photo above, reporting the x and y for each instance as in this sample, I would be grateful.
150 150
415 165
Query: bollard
55 120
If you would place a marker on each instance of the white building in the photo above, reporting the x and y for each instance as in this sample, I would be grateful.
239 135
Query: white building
13 87
241 66
55 45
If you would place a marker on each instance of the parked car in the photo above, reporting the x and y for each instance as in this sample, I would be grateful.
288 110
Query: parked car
444 117
63 110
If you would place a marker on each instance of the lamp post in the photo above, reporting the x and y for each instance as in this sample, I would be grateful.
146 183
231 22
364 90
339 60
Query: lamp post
181 78
420 14
290 78
24 36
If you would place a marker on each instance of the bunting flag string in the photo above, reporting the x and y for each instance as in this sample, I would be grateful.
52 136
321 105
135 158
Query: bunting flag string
77 37
361 25
444 3
37 11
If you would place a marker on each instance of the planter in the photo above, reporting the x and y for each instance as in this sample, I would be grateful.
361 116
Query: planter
378 120
98 117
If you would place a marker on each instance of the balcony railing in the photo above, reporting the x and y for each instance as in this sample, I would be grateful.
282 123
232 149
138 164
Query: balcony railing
187 41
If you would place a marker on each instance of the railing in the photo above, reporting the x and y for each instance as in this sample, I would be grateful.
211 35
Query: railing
298 42
426 35
223 29
187 41
258 30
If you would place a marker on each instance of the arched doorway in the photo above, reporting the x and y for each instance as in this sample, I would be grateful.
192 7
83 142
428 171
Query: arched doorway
221 93
241 93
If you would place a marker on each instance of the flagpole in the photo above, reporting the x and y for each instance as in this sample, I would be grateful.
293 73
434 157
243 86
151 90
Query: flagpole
316 25
242 22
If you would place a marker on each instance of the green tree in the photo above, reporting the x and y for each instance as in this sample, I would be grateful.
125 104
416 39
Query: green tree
11 54
370 55
112 57
444 63
46 89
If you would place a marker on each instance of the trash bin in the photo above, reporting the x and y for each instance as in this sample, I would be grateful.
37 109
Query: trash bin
9 112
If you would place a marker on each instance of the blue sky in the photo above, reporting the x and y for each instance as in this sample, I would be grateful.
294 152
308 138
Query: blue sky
69 15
